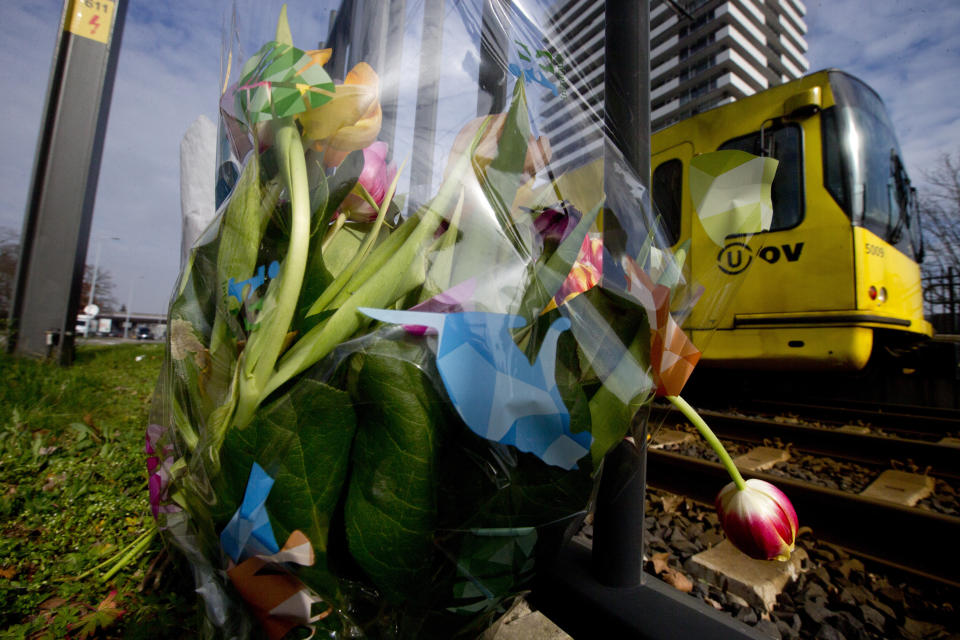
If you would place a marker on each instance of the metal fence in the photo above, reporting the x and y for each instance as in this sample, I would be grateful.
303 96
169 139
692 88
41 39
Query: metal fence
941 298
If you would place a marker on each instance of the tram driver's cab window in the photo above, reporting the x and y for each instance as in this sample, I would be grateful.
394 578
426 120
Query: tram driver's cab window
783 144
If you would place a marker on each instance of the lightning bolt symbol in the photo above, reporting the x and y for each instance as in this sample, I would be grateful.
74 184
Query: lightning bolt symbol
95 23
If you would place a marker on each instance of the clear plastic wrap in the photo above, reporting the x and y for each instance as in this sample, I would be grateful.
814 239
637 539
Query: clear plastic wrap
398 355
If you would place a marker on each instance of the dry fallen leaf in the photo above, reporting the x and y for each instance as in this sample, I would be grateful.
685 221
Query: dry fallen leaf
671 502
677 580
660 562
52 603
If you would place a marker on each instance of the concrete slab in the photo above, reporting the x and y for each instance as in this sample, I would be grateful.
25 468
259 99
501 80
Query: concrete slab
855 428
760 458
901 487
667 437
949 441
759 582
521 623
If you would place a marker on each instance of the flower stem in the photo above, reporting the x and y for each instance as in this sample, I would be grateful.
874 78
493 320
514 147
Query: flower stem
332 231
133 552
691 414
334 288
266 344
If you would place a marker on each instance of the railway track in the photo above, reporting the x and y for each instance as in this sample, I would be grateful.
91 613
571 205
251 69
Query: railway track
904 420
910 539
866 448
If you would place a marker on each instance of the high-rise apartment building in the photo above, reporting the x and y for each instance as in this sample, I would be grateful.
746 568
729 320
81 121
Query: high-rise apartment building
704 53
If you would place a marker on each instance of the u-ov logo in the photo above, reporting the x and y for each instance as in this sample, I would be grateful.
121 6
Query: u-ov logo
734 258
737 256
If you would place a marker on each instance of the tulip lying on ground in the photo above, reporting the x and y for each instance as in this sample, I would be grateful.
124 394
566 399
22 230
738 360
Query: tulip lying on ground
758 519
756 516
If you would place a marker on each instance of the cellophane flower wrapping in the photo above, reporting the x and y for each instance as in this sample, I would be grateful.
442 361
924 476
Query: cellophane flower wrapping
432 298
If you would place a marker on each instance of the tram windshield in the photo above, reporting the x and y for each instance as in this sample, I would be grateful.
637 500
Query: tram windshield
863 170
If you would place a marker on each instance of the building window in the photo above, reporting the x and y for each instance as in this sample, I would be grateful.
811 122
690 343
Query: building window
783 144
697 68
697 91
697 45
667 194
693 5
698 22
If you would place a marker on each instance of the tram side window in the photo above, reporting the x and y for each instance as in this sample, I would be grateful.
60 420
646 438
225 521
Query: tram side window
667 194
783 144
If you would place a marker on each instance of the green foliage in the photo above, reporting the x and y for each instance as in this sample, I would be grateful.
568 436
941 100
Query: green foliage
302 440
391 507
73 493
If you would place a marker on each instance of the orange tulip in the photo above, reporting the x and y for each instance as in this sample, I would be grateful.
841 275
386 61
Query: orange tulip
350 121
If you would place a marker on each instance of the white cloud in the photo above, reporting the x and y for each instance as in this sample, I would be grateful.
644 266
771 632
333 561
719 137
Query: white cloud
908 52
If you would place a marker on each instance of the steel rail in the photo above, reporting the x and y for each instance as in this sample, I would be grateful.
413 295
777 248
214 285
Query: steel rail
930 421
909 539
943 460
870 408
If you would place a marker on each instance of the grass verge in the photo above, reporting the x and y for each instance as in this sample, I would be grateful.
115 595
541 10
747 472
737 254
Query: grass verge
73 492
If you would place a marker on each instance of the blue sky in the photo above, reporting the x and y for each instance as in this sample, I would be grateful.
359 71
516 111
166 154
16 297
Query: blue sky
169 72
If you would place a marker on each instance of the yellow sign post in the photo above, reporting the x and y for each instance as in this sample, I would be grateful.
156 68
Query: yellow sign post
59 212
91 19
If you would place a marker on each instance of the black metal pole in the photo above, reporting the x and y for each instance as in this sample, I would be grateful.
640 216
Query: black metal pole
618 524
56 227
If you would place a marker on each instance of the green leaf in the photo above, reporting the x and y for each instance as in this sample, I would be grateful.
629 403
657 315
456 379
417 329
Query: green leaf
512 148
504 176
303 440
100 618
341 183
326 196
391 505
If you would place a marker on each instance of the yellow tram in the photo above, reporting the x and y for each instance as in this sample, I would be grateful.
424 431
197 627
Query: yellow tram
837 274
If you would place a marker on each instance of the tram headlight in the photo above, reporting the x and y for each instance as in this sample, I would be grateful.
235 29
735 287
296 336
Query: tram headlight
882 296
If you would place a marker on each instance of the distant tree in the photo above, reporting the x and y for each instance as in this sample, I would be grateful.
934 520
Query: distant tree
10 255
940 210
103 296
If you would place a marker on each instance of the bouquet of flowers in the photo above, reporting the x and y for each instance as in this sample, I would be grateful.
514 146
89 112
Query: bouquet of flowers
378 416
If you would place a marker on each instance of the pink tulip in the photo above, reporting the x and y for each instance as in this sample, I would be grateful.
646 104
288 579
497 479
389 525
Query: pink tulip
554 224
759 520
158 470
375 178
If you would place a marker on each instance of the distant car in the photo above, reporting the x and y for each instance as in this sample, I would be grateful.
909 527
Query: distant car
143 333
